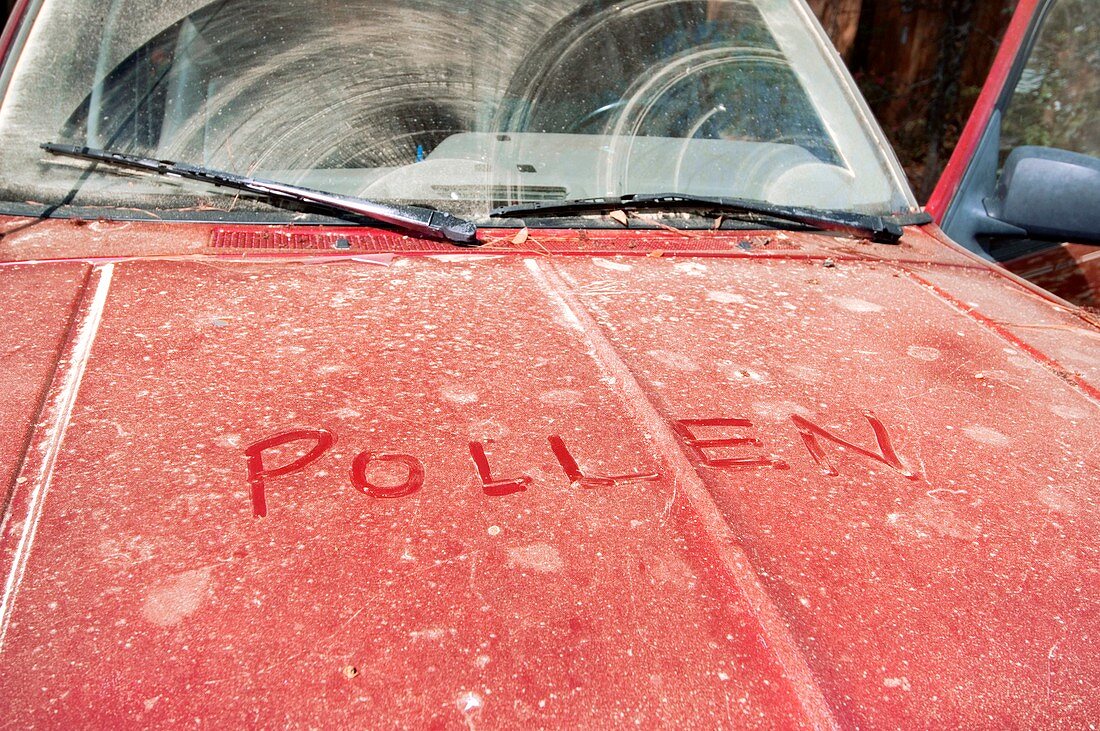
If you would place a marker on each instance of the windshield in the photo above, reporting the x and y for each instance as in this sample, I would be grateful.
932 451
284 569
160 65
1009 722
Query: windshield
460 105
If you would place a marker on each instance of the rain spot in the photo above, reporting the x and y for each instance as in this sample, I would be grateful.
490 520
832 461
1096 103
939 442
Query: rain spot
932 518
229 441
923 353
488 430
612 265
177 598
674 360
1070 413
460 396
541 557
985 435
726 298
857 305
691 268
902 683
1059 499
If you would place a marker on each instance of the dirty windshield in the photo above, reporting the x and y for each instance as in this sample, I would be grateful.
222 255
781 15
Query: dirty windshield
459 105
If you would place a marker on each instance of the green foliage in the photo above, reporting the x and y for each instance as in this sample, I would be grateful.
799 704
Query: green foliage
1057 99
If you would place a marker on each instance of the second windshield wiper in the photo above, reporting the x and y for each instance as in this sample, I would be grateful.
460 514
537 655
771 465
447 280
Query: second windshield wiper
877 228
426 221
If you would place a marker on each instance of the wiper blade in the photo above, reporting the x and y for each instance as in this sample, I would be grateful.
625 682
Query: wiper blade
877 228
426 221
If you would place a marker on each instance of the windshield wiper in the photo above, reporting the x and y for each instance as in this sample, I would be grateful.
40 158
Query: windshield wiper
877 228
426 221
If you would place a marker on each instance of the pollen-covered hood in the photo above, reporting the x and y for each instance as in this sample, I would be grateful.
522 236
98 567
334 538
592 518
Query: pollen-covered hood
798 483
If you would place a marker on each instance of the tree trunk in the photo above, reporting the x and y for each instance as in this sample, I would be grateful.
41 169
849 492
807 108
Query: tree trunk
945 91
841 21
921 64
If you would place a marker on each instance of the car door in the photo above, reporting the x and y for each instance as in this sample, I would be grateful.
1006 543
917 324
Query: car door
1023 187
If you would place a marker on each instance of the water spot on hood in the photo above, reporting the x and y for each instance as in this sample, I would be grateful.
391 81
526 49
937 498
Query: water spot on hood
726 298
177 597
459 395
488 429
1059 499
857 305
985 435
541 557
932 518
229 441
563 397
902 683
674 360
1071 413
921 352
691 268
612 265
345 412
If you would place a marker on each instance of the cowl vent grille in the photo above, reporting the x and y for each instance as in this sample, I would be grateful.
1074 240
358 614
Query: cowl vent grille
338 242
288 241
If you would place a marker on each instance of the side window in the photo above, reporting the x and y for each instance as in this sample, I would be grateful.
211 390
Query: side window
1031 203
1056 103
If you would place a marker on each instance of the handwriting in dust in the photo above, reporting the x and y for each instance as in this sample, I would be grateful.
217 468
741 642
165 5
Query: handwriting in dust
719 443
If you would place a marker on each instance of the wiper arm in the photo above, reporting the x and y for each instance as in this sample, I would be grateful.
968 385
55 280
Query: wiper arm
877 228
426 221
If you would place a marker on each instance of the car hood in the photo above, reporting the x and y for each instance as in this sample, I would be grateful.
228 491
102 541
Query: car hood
809 484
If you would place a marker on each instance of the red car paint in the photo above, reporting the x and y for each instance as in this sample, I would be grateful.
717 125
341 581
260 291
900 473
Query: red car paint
1071 270
598 478
720 479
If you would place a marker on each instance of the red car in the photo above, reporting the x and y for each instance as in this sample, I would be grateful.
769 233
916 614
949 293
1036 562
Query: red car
495 364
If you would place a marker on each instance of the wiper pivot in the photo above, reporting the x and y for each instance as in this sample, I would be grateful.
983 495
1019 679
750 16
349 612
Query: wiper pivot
421 220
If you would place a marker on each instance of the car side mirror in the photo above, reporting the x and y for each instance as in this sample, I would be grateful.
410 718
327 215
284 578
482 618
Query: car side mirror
1049 193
